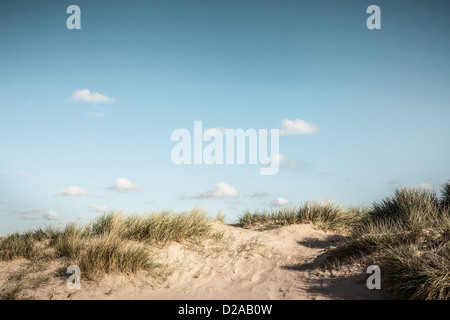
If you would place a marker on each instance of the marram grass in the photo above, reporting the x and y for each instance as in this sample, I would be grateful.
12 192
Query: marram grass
408 234
325 215
111 243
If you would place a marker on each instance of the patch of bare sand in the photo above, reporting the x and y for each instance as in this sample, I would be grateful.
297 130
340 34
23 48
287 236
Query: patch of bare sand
240 264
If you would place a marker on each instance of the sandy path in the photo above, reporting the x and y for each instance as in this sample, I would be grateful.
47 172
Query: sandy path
243 264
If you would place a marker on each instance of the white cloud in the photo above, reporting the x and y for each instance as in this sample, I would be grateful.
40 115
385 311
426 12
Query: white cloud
72 191
123 185
86 95
98 209
259 194
28 217
391 182
279 202
223 190
282 161
20 173
51 215
424 186
29 211
4 202
428 186
296 127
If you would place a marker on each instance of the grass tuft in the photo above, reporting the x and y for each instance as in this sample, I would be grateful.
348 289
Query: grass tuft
409 235
111 243
325 215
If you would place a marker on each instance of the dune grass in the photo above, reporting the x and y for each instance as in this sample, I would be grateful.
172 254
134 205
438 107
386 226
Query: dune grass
325 215
408 235
111 243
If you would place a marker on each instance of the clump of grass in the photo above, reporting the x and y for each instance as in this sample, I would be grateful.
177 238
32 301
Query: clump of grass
325 215
329 216
111 243
14 286
111 254
69 242
107 224
12 293
220 217
445 196
18 246
400 206
408 234
417 273
162 227
267 219
165 226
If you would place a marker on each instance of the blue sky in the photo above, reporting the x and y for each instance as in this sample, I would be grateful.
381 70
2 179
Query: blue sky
380 101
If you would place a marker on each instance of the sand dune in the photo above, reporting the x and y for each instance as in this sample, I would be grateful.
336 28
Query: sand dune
241 264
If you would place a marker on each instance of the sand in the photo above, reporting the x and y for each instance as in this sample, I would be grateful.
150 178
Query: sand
241 264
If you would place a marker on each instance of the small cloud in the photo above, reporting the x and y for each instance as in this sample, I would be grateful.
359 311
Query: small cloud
51 215
98 209
1 209
326 173
392 182
35 210
28 217
259 194
424 186
296 127
223 190
123 185
279 202
285 163
23 173
427 186
5 172
86 95
4 202
95 114
72 191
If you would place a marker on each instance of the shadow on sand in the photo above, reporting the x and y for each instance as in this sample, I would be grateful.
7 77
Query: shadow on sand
347 282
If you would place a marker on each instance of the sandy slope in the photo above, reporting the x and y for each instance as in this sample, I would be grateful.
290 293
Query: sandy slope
242 264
